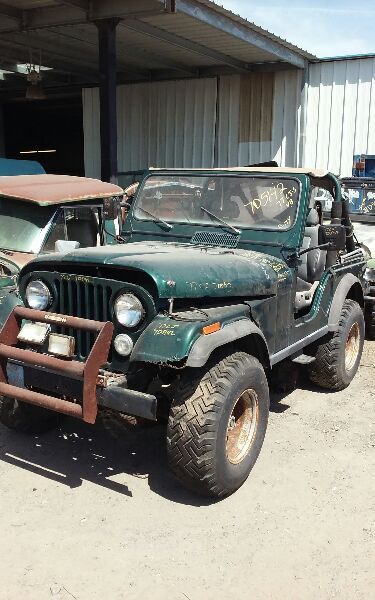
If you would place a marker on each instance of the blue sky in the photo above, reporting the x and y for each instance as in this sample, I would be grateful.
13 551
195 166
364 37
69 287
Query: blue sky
333 28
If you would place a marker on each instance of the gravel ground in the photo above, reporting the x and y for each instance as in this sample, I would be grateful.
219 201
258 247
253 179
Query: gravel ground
92 512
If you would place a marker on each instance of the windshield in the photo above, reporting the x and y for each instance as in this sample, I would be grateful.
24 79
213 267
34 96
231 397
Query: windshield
362 201
23 225
255 202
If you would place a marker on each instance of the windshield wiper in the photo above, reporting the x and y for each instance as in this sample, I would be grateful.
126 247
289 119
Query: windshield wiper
220 220
157 219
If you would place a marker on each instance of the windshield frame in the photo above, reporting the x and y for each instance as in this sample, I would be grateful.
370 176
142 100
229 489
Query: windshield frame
218 174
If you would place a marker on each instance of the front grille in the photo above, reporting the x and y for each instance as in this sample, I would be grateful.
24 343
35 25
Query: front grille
85 299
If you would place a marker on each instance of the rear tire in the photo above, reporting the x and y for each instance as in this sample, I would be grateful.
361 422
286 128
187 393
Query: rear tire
337 360
26 418
217 424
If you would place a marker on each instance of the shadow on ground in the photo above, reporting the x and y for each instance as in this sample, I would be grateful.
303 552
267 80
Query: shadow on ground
77 452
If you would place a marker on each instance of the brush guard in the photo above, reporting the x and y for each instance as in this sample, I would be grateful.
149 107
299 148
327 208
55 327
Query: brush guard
87 371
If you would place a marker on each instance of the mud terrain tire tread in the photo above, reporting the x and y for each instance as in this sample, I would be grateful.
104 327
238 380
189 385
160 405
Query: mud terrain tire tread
328 369
199 406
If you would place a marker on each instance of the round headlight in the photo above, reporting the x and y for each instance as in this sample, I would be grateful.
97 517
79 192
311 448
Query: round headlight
38 295
128 310
123 344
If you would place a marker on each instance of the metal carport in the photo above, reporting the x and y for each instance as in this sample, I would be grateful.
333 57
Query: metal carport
90 43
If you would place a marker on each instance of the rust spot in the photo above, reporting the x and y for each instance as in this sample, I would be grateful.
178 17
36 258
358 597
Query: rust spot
88 370
56 189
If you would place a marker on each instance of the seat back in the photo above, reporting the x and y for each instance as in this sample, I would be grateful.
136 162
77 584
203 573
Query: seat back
83 228
312 263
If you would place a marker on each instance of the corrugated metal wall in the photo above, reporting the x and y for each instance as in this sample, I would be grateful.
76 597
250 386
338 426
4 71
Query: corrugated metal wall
239 120
275 107
169 123
236 120
340 113
91 131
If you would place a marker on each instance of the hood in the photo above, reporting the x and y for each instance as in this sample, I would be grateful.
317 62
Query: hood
183 270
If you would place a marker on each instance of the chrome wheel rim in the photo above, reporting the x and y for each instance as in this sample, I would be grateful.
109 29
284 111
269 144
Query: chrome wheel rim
242 426
352 347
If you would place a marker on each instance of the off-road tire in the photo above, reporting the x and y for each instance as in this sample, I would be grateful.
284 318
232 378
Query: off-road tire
329 370
370 321
198 434
26 418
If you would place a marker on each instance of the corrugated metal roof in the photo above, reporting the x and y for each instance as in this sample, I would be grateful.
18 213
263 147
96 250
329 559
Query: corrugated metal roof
201 38
192 29
258 29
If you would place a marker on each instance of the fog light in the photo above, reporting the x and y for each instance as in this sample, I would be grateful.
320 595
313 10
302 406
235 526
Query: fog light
34 333
123 344
61 345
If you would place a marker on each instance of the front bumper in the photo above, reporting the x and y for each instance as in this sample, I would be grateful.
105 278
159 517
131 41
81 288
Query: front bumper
84 382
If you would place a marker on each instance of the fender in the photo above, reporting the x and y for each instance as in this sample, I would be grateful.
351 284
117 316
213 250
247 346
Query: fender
339 298
206 344
170 339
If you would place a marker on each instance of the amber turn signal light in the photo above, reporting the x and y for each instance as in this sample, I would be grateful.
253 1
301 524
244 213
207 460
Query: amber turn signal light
211 328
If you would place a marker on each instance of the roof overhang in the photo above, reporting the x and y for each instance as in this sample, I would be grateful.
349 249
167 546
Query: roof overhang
156 39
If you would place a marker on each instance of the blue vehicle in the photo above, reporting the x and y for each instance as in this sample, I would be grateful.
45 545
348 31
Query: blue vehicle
12 166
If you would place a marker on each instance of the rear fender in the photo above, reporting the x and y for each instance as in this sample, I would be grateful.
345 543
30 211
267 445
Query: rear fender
349 287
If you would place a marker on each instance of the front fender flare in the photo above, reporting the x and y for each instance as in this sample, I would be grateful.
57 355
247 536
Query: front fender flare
203 347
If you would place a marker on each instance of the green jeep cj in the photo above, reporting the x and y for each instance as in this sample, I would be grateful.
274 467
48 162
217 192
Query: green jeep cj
226 275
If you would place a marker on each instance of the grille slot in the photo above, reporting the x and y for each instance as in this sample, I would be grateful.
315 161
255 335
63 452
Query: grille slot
208 238
86 300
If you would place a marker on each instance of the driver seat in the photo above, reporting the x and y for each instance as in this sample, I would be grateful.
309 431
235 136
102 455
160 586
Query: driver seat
229 209
312 264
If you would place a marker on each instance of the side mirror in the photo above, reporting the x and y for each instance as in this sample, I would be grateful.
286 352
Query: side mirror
334 235
65 246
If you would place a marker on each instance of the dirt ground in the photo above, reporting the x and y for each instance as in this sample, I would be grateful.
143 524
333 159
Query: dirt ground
93 513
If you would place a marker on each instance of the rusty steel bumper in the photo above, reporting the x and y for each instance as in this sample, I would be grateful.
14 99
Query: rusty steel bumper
94 389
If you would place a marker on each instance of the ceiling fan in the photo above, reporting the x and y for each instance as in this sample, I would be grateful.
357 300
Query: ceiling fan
34 91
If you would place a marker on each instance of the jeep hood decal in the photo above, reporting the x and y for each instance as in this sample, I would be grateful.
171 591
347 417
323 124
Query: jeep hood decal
182 270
